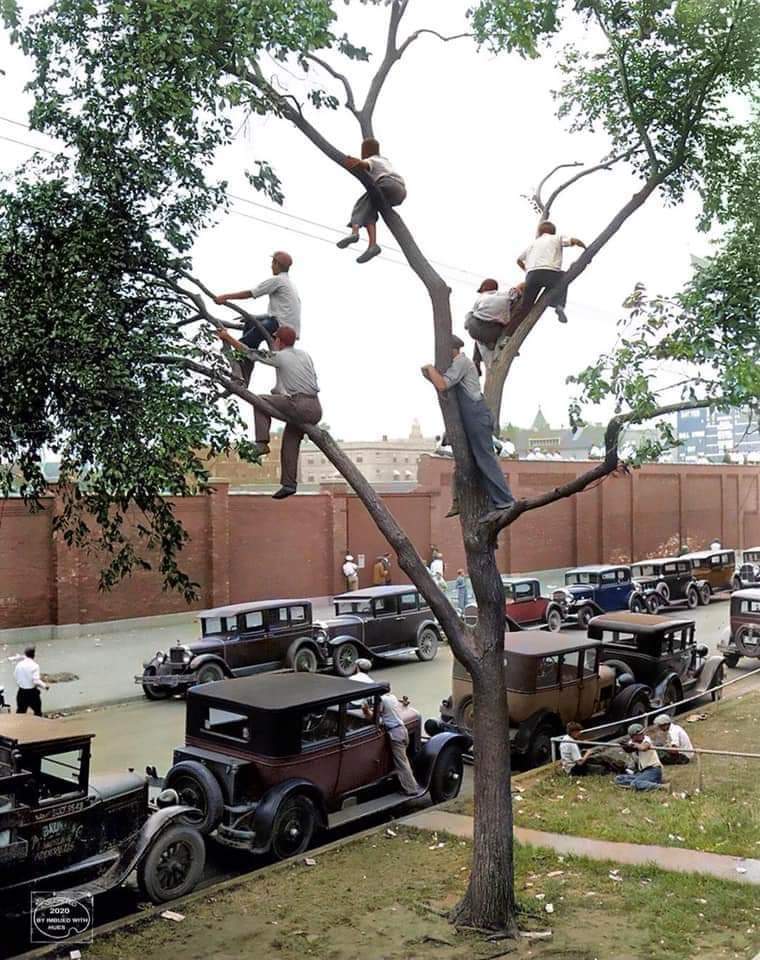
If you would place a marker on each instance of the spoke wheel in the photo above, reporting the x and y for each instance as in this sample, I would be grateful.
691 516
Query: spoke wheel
173 865
705 594
427 645
747 641
692 598
293 827
344 659
305 661
554 621
210 673
154 691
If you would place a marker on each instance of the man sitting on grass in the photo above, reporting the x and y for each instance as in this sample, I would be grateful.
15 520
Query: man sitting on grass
577 764
675 738
646 773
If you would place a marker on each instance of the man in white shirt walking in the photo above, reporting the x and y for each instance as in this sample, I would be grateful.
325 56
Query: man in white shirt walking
284 307
29 682
542 262
675 738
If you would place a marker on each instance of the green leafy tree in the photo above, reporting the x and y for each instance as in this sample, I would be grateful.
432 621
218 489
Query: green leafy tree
109 330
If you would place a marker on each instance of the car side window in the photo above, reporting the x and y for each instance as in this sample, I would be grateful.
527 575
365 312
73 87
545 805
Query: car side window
409 601
509 591
254 620
282 615
384 605
60 775
523 591
716 561
211 625
623 576
297 614
609 577
589 663
547 673
319 726
570 662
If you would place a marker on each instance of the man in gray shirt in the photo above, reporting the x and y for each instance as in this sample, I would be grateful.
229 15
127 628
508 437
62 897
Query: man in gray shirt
284 305
478 424
295 396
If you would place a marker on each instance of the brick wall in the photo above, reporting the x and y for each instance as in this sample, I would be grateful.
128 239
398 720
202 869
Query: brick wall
245 546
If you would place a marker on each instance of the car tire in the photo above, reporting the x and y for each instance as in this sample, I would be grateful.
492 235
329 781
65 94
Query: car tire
446 781
345 656
540 749
672 693
554 620
653 602
153 692
303 660
637 605
747 641
639 705
293 827
692 598
173 865
705 594
427 645
466 714
719 677
585 616
210 673
732 659
197 787
736 583
664 591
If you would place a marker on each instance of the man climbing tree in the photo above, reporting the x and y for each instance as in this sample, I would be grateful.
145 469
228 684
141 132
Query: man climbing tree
132 386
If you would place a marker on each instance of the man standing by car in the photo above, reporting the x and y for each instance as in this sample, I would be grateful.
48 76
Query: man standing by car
647 769
27 676
390 717
675 738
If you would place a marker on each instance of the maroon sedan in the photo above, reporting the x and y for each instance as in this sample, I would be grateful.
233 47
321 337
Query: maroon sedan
526 606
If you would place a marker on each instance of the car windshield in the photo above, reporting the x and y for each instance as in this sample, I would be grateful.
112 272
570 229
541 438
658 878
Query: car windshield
752 556
581 577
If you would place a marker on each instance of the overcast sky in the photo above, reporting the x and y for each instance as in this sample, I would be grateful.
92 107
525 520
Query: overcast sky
471 133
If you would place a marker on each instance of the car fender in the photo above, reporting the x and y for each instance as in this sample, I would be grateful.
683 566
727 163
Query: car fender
587 602
306 641
203 658
266 809
659 690
528 727
348 638
427 755
709 668
430 623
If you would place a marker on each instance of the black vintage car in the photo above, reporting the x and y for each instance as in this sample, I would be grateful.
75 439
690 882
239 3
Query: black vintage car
247 638
748 574
666 581
270 760
659 652
62 830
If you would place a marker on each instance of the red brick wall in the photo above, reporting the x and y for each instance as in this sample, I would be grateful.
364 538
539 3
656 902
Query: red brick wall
244 546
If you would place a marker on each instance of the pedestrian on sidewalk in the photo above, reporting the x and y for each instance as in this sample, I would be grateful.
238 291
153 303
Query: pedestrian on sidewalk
29 682
460 588
646 773
675 738
387 569
378 572
350 572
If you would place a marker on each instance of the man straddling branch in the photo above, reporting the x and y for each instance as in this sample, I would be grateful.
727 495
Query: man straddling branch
365 213
477 421
284 307
542 262
489 318
295 396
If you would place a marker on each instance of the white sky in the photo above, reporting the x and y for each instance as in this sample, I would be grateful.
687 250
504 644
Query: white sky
471 133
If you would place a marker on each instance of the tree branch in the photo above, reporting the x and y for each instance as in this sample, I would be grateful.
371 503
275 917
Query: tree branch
198 301
537 193
350 102
418 33
603 165
498 519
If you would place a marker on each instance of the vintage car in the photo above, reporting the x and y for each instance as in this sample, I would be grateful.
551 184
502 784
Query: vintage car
525 604
744 634
748 574
63 830
589 591
551 679
669 580
716 570
660 652
269 760
247 638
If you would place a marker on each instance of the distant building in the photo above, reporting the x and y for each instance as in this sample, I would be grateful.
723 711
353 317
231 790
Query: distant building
384 461
707 435
543 442
241 473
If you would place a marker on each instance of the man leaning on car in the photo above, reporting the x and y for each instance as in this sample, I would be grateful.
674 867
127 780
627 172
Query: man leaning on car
390 717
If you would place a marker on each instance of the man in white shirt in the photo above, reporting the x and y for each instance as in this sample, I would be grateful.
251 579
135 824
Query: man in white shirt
350 572
29 682
387 182
542 263
391 718
284 307
675 738
647 769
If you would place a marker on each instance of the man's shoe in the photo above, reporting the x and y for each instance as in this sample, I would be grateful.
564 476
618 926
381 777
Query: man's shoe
453 510
369 253
561 315
347 241
283 492
260 449
506 506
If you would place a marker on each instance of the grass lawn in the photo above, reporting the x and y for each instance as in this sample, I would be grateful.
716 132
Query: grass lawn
722 818
371 899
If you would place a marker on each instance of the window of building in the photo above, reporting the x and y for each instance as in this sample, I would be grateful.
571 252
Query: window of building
360 459
310 478
310 459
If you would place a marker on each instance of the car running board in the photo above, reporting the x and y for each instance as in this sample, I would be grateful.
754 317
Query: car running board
356 811
399 654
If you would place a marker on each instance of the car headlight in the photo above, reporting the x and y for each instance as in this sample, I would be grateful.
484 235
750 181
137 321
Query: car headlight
320 635
160 656
187 655
756 569
561 596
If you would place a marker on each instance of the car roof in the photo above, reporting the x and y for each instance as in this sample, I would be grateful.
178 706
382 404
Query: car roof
600 568
370 592
641 563
750 593
27 730
544 643
751 550
702 554
277 692
507 579
638 622
232 610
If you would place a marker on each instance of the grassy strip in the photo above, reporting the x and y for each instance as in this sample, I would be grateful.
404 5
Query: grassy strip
378 898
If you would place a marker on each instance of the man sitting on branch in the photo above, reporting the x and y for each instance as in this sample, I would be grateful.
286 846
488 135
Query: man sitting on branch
490 317
477 421
387 182
284 306
295 396
542 262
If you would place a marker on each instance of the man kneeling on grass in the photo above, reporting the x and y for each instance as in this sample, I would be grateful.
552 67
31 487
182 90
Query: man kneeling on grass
646 773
